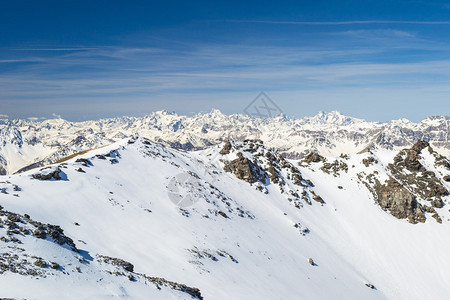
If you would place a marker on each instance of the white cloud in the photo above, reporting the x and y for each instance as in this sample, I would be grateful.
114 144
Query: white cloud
351 22
56 116
35 118
55 49
3 116
376 33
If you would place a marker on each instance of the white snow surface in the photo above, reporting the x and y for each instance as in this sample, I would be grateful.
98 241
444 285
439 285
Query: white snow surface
124 210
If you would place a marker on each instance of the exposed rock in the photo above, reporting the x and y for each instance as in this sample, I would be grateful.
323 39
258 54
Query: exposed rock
313 157
396 199
116 262
223 214
317 198
40 233
246 170
369 161
408 170
438 203
85 162
437 218
194 292
48 174
55 232
303 230
311 262
335 167
54 265
226 148
40 263
369 285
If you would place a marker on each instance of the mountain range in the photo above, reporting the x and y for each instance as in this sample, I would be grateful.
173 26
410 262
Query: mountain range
25 144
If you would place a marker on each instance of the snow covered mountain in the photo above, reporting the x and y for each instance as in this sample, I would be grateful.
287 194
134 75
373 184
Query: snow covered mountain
25 144
139 220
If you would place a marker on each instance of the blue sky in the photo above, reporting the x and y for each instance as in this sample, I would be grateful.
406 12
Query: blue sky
80 60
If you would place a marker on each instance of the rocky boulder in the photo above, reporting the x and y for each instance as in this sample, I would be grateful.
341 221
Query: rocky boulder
48 174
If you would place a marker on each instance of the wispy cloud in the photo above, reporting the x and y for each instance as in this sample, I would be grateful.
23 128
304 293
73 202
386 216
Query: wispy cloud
376 33
128 80
351 22
54 49
4 116
3 61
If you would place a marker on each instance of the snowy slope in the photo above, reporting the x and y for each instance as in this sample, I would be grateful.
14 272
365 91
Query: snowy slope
236 226
23 142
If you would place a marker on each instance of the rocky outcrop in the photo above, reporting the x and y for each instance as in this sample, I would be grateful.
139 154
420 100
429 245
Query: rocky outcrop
226 148
18 232
411 191
23 225
335 167
48 174
246 170
408 170
398 201
193 292
262 166
127 269
313 157
116 262
369 161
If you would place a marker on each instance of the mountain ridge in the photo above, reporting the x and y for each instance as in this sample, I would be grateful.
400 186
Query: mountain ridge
24 142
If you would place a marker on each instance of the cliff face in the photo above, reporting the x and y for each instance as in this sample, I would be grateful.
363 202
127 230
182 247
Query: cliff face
398 201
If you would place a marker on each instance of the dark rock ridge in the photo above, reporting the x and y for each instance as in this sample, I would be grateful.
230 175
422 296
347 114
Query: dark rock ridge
159 282
417 178
19 228
18 260
261 166
412 190
23 225
246 170
117 262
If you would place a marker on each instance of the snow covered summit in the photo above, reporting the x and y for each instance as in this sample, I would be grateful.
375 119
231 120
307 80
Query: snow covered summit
25 144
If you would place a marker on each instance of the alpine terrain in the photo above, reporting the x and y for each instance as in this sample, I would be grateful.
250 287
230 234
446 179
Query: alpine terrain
225 207
25 144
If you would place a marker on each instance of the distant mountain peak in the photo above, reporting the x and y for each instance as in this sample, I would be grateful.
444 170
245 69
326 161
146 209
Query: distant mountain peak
332 118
